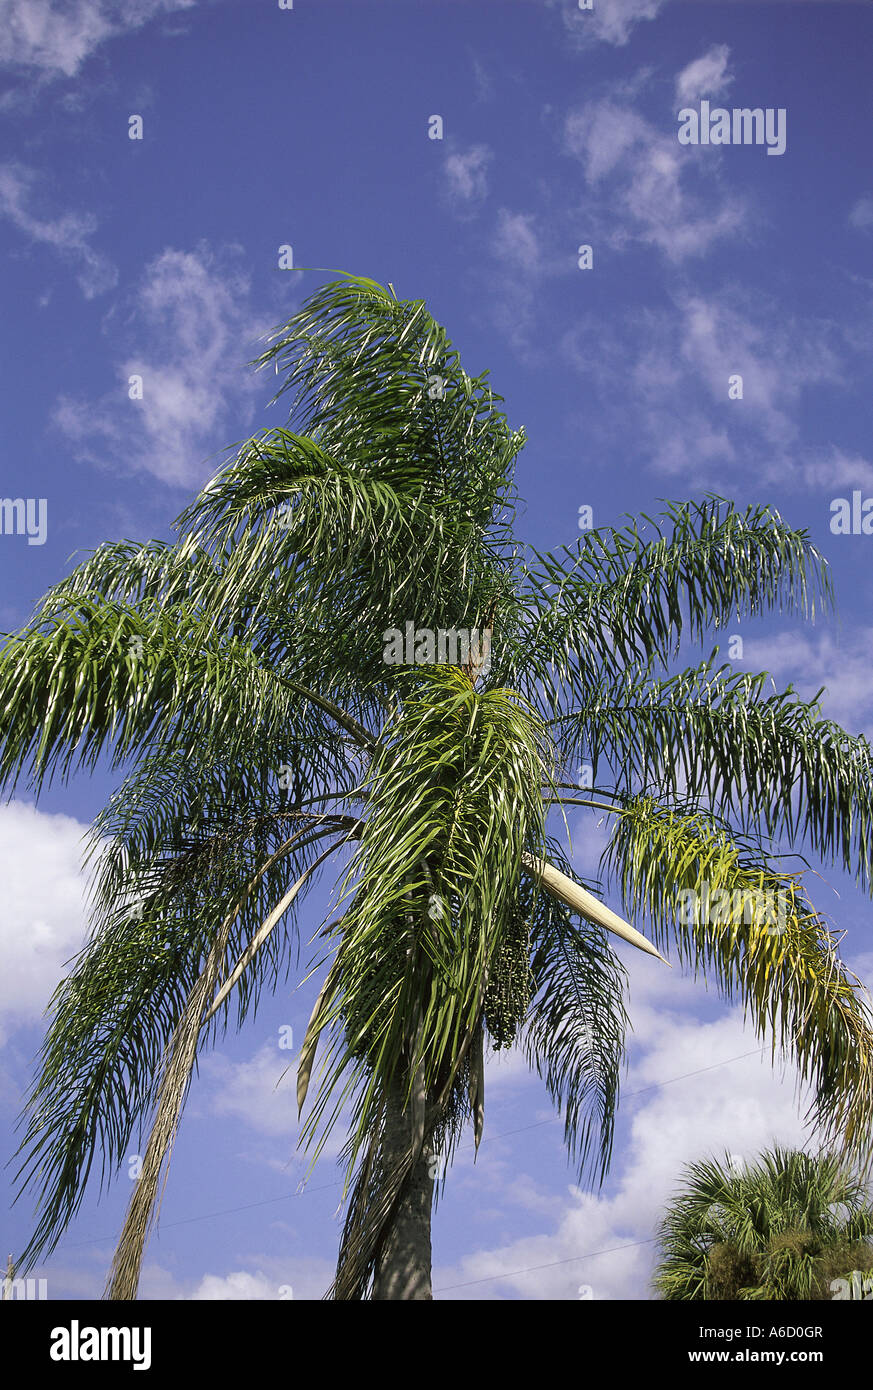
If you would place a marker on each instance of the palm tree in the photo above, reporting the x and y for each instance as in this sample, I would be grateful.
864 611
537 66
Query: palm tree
238 676
790 1226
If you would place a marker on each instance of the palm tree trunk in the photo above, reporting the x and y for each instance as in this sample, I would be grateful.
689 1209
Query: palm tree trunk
403 1267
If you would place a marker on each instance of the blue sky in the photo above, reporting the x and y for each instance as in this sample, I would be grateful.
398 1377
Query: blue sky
159 257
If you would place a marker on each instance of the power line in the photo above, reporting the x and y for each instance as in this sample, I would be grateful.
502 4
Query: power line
511 1273
287 1196
210 1215
553 1119
611 1250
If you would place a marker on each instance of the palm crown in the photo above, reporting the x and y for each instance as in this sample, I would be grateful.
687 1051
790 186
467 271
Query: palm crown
790 1225
238 676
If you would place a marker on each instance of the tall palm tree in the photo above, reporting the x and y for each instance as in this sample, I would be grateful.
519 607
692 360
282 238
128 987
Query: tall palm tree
790 1226
239 676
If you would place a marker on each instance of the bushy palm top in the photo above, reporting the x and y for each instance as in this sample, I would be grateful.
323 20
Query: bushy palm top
786 1227
237 678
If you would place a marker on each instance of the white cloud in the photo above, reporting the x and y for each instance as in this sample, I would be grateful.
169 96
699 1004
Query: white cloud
506 1068
695 1088
68 234
262 1091
483 80
602 133
299 1277
238 1286
192 326
718 341
721 336
644 175
690 446
834 468
516 242
56 39
261 1277
861 215
707 76
740 1107
838 659
43 922
466 178
610 21
615 20
519 263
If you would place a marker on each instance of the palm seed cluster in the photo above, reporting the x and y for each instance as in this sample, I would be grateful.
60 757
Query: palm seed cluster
508 992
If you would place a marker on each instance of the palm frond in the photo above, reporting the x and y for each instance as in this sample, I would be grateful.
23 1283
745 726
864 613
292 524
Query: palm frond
710 735
778 1228
766 945
574 1033
621 599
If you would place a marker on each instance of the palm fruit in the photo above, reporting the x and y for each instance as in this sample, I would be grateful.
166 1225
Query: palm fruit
508 992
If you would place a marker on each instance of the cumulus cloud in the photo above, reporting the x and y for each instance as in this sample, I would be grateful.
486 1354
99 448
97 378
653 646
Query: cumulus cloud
691 1091
261 1091
69 234
258 1277
239 1286
699 1084
191 326
55 39
264 1278
43 922
706 76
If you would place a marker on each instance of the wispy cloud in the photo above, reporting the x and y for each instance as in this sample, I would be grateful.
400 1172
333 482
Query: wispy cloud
643 177
719 339
609 21
519 261
861 214
483 80
466 179
69 234
706 76
834 468
54 40
669 371
261 1091
838 660
517 242
188 340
